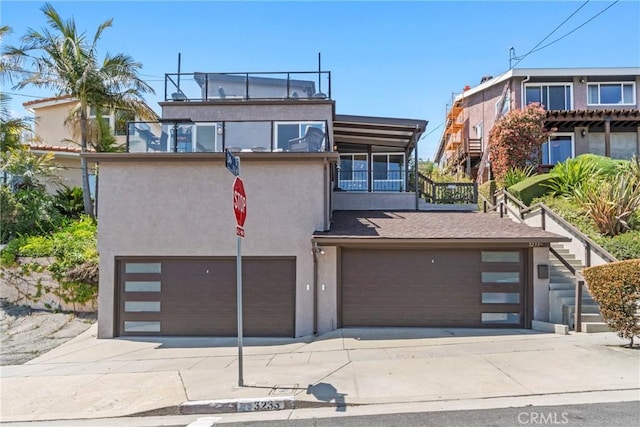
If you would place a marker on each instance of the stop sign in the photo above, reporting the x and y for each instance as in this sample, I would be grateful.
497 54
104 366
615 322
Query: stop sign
239 202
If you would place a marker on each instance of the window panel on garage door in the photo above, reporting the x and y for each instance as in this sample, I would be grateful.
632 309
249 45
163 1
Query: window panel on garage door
502 278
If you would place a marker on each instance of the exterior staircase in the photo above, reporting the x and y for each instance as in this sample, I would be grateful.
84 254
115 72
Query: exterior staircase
562 290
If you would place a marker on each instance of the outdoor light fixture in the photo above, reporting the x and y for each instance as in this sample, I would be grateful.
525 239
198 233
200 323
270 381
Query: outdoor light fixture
583 132
582 80
543 271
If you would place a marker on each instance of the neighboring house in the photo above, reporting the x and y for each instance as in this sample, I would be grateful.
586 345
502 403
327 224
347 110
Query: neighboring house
336 235
52 135
593 110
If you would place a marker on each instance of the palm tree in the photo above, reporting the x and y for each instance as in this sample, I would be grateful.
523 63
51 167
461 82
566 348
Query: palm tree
60 58
10 127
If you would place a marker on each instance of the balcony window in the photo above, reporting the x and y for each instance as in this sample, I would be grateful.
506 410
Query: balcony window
353 172
388 172
558 149
105 117
286 131
611 94
551 97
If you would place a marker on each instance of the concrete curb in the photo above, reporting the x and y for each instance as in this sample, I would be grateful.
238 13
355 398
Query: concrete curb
236 405
549 327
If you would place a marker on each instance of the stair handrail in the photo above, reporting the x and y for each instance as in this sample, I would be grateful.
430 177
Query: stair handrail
587 242
545 210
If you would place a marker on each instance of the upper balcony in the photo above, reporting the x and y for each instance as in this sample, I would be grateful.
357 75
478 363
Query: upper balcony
228 87
185 136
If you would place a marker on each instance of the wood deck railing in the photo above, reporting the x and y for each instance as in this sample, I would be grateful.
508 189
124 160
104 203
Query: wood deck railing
447 192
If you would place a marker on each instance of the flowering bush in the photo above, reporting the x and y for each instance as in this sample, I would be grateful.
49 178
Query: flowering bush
516 139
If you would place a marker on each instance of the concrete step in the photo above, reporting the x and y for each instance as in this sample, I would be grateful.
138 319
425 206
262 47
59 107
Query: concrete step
555 263
590 328
562 286
588 304
562 278
591 317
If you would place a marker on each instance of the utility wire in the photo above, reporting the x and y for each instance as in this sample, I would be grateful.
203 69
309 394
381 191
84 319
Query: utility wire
553 31
577 28
433 130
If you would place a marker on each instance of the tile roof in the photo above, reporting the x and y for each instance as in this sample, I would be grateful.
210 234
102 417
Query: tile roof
430 225
41 100
58 148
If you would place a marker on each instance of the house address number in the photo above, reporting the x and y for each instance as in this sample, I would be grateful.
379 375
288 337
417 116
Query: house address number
261 405
535 244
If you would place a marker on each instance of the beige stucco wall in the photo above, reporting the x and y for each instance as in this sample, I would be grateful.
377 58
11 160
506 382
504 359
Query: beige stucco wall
184 208
327 289
49 124
540 286
623 144
345 200
50 129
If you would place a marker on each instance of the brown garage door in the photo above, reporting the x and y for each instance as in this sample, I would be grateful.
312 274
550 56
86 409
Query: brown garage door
432 288
197 297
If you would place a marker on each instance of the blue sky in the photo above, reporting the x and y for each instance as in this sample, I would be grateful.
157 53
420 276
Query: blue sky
390 59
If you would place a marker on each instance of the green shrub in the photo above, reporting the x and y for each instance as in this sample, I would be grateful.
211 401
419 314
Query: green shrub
487 190
616 289
571 212
623 246
516 175
10 253
568 176
69 202
606 165
610 202
28 212
36 246
530 188
75 264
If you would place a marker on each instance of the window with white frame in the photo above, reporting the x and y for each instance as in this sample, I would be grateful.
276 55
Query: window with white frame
286 131
117 120
105 116
558 148
353 172
611 93
121 119
550 96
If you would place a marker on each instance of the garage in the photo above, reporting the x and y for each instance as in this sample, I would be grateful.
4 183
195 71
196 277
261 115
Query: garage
197 296
432 287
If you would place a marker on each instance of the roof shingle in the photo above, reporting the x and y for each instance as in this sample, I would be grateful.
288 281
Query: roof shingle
430 225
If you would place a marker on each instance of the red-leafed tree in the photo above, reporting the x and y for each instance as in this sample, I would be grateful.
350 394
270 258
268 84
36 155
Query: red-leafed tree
516 139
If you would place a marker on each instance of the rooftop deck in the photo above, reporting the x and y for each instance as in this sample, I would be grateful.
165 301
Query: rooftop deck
202 87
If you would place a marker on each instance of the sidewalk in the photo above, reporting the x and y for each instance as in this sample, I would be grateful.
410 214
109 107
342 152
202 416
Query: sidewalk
91 378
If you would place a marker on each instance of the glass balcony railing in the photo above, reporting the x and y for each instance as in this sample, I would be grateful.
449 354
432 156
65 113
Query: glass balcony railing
229 86
381 180
216 137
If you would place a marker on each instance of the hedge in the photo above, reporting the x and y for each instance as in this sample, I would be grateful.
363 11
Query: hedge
530 188
616 289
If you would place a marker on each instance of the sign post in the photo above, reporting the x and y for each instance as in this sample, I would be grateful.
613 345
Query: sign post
240 212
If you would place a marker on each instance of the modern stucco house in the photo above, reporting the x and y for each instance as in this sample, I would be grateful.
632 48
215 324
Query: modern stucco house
52 134
591 110
336 234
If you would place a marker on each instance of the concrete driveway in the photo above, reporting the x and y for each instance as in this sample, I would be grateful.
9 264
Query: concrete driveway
91 378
